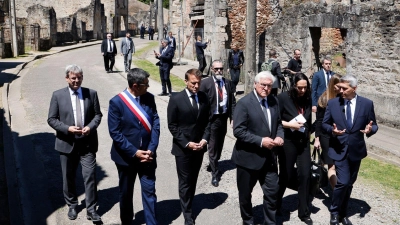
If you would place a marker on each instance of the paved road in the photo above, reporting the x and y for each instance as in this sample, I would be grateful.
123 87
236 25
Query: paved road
40 172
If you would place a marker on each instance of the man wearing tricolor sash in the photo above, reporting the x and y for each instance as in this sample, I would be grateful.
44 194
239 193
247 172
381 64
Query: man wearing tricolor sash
134 127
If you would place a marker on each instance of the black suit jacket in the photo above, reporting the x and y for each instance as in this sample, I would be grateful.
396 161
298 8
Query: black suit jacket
61 116
249 127
208 86
166 58
184 125
230 59
104 46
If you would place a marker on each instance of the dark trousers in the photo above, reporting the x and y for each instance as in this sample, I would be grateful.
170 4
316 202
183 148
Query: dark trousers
127 61
147 177
346 172
188 167
235 76
202 62
151 36
109 57
217 138
69 165
165 81
268 179
142 34
299 154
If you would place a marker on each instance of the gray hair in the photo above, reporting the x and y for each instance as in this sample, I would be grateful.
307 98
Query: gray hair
164 40
75 69
264 74
216 61
136 76
352 80
327 58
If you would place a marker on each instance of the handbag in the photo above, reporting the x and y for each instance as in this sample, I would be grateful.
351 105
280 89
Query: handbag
318 176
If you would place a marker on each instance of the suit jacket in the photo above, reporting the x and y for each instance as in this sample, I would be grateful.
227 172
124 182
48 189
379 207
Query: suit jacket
125 49
230 59
318 86
351 143
61 117
173 41
166 58
184 125
208 86
104 46
249 127
126 131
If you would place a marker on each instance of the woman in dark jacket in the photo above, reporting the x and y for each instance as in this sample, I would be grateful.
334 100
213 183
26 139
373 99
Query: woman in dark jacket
295 107
321 138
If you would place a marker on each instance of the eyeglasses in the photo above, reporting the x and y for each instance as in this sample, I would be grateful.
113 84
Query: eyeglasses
221 68
269 86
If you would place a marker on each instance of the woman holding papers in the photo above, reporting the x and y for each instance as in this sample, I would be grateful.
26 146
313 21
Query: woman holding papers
321 138
295 108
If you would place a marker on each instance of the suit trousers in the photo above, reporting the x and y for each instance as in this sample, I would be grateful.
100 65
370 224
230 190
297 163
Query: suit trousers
69 165
268 179
188 167
165 81
298 153
202 62
235 76
147 177
346 172
127 61
109 57
217 138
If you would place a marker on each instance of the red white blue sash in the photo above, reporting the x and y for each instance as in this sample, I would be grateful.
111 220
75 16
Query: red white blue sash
136 109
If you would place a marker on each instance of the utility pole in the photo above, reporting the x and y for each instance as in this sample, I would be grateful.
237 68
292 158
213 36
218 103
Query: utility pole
160 20
250 51
13 28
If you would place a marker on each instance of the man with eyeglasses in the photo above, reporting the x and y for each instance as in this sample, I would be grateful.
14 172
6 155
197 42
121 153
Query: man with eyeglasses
134 127
109 51
258 128
74 114
221 94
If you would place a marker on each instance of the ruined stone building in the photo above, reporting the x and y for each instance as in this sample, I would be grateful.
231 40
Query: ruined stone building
366 31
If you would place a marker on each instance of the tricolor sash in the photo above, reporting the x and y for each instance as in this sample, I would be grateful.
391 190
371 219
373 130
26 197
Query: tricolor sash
136 109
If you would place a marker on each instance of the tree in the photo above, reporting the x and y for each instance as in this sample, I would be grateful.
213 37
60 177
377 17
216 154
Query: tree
165 3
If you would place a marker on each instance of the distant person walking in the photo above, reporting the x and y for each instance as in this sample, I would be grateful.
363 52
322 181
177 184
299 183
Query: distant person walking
127 49
200 46
142 31
109 51
151 32
294 65
320 81
165 64
273 66
235 62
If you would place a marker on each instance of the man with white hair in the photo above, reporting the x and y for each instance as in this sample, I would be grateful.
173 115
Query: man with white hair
258 128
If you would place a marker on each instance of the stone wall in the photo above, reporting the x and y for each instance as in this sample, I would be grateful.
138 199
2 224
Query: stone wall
45 17
371 43
63 8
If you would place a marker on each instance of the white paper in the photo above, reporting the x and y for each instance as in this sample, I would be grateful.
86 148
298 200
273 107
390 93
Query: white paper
299 118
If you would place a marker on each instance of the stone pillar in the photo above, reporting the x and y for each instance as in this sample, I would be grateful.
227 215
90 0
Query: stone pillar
250 52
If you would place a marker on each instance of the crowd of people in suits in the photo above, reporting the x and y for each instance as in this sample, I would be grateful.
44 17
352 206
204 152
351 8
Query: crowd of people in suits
272 131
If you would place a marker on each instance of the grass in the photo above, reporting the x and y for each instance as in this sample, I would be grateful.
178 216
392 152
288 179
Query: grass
381 173
150 46
177 83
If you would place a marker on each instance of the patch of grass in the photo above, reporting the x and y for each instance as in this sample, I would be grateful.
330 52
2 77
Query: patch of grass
177 83
141 52
385 174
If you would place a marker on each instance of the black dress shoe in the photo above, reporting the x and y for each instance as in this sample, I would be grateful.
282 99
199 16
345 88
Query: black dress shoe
334 219
93 216
214 181
208 168
307 221
72 214
345 221
163 94
189 222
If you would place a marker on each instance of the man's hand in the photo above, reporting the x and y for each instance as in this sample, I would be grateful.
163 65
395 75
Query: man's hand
317 144
194 146
278 141
337 132
314 109
203 143
268 143
86 131
368 128
75 130
144 156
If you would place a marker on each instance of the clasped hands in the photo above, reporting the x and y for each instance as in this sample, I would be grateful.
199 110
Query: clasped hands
78 131
270 143
338 132
144 156
197 146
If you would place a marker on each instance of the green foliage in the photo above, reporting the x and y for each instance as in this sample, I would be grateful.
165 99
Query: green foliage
165 2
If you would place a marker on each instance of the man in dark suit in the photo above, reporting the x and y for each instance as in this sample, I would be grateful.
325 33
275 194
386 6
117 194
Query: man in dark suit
165 56
258 128
188 121
109 51
200 46
142 30
221 95
151 32
75 115
134 127
320 81
127 49
235 62
171 41
347 119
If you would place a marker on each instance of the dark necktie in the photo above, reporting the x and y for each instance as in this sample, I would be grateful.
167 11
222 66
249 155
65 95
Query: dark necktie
348 115
264 107
78 110
194 103
220 97
327 77
109 42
